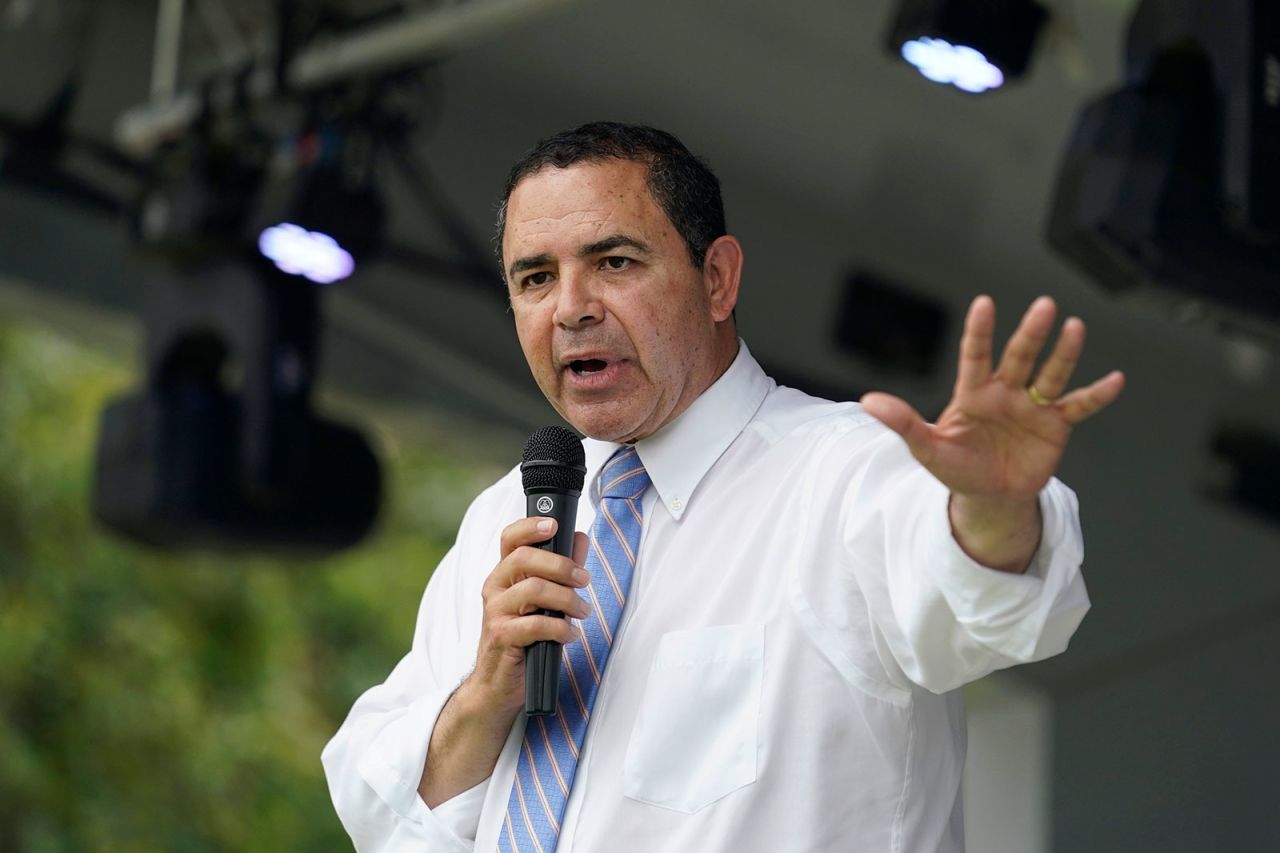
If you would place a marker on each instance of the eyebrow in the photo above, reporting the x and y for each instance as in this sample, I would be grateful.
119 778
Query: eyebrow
608 244
614 241
519 265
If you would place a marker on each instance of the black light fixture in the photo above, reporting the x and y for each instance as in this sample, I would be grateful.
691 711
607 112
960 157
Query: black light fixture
198 192
306 200
1172 182
974 45
221 447
885 323
1246 463
322 212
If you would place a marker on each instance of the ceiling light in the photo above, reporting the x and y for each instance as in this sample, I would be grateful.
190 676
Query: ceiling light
311 254
322 213
974 45
943 62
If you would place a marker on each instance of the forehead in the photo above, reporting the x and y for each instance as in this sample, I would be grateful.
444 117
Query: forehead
582 203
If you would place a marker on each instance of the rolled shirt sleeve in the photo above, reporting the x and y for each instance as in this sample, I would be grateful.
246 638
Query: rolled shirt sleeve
375 762
943 619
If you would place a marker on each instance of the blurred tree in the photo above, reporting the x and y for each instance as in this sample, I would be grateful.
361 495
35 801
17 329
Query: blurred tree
160 702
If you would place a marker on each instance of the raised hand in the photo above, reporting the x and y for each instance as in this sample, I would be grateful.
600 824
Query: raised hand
1000 439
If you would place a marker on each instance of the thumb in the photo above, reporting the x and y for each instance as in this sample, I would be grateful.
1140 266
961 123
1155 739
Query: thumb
899 416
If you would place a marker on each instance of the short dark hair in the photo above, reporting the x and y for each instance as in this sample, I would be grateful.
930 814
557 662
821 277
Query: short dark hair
682 184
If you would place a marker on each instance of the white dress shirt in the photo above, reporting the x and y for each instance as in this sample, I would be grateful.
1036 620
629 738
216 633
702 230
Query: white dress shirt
783 676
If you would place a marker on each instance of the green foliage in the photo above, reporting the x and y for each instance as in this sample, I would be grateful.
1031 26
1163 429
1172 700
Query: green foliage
160 702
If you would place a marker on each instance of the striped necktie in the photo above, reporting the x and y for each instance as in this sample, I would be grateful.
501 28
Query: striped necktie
549 754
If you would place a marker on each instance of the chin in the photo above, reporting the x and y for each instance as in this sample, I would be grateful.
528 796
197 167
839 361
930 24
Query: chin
602 426
603 432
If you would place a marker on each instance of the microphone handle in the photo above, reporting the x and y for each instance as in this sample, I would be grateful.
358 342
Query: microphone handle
542 659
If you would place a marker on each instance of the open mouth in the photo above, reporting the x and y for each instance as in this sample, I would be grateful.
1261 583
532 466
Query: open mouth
587 366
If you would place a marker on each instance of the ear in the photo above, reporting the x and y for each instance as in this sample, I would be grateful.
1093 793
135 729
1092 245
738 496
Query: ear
722 273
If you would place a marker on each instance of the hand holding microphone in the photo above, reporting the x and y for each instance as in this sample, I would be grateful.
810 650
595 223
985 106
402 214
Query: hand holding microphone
552 471
534 584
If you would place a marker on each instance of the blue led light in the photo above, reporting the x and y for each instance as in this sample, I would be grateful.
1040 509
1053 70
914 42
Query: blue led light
310 254
958 65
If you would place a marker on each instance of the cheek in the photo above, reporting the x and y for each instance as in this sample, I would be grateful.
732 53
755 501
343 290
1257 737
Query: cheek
534 342
668 345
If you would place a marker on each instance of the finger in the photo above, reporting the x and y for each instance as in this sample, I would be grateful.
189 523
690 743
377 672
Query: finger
898 416
532 595
527 531
530 562
527 630
974 367
1056 372
1026 342
580 546
1085 402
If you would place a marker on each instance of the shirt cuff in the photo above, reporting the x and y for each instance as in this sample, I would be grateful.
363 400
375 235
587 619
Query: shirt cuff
393 769
460 814
1009 612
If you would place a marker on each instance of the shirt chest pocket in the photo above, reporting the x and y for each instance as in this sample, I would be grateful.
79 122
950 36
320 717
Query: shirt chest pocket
697 732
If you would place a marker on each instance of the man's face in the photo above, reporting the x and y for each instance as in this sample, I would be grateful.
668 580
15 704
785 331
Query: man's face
619 329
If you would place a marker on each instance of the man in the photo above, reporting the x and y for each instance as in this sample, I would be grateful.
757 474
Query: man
786 599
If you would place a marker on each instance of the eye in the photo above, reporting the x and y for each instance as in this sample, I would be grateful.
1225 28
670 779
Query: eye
615 263
535 280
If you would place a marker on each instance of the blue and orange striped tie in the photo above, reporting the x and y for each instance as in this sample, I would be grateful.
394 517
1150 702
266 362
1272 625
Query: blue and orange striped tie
549 754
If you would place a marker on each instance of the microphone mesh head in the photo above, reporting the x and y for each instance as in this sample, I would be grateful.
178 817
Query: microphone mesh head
553 459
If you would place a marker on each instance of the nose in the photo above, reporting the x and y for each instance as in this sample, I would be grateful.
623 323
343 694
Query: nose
577 305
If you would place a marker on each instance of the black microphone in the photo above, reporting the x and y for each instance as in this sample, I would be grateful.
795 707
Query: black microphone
553 470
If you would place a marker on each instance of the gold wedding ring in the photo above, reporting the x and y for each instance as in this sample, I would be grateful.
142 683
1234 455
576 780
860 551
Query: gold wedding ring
1038 398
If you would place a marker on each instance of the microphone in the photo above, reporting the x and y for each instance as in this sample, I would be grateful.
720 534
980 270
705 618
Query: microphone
553 470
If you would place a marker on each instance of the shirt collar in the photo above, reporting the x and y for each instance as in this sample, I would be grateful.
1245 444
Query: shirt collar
679 455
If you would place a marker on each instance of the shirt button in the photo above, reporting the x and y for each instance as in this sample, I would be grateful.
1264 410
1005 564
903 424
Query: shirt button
677 504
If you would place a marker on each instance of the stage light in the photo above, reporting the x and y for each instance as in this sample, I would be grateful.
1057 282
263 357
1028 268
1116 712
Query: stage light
974 45
221 447
308 205
1171 183
943 62
310 254
321 213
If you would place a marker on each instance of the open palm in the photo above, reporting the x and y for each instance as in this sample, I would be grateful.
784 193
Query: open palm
1000 438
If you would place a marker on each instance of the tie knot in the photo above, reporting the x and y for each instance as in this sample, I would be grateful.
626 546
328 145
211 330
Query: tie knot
623 476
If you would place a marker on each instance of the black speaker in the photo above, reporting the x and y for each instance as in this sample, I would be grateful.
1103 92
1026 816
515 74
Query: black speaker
221 448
